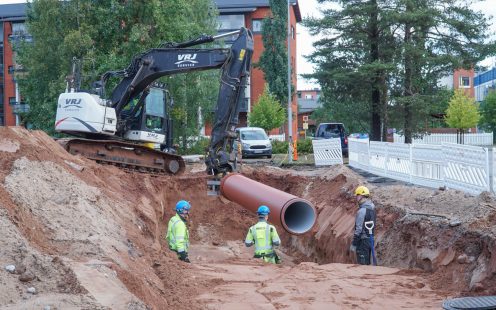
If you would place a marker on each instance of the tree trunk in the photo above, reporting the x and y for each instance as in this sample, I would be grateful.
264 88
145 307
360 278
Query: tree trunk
384 105
408 92
373 30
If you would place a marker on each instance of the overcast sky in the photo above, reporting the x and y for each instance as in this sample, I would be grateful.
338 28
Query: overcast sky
311 8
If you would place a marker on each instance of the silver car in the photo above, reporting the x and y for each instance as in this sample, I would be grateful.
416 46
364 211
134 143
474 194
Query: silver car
254 142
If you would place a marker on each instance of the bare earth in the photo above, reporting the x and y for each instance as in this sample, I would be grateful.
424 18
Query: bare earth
87 236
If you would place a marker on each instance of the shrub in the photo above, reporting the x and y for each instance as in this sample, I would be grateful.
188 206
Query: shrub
197 147
305 146
279 147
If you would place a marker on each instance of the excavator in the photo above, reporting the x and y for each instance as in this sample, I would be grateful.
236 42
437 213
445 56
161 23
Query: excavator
116 129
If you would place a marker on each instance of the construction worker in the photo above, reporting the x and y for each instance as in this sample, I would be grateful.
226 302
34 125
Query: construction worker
177 231
264 236
365 219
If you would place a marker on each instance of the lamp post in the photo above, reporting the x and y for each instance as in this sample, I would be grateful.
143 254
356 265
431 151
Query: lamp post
290 110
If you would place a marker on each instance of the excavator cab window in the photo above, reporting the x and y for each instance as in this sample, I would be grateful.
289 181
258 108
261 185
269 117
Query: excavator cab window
155 110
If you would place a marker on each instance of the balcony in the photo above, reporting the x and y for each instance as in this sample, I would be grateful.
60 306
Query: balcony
20 108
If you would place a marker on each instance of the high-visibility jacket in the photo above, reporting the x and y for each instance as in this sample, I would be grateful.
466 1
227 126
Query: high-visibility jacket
264 236
177 234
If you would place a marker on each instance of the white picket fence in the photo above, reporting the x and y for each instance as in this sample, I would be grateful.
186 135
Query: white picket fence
464 167
483 139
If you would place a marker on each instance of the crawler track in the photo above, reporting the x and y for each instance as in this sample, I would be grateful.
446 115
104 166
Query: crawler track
127 156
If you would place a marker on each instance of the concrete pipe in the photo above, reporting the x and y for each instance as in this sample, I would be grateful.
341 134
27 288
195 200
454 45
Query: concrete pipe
296 215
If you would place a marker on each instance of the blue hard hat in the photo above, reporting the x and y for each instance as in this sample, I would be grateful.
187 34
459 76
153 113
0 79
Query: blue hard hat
263 210
182 205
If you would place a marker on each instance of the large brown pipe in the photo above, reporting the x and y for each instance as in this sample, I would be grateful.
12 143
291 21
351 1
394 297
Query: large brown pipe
296 215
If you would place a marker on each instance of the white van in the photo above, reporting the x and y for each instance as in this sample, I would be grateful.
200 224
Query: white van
254 142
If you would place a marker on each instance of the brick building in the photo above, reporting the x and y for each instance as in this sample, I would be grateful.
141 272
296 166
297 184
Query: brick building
233 15
12 28
308 101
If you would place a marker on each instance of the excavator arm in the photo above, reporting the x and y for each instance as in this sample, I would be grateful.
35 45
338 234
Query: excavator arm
119 124
235 64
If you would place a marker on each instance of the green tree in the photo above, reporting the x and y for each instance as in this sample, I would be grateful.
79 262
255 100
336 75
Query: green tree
267 113
462 113
353 61
105 35
435 38
488 113
273 61
386 56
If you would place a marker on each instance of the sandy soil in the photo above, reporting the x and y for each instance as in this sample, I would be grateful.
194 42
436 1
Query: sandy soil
87 236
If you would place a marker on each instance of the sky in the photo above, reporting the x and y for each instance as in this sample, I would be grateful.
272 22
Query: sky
311 8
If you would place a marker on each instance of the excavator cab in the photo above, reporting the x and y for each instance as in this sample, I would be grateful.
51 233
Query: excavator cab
150 121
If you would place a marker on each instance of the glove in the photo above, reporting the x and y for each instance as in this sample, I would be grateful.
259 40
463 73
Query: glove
184 257
352 248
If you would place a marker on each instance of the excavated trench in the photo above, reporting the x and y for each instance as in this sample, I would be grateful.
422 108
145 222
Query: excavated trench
77 227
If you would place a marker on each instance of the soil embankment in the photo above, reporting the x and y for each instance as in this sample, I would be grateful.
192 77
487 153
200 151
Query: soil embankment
87 236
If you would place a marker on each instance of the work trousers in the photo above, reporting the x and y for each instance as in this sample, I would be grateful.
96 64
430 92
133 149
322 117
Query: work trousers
363 251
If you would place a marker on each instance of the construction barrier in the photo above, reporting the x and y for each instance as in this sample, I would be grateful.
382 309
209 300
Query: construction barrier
327 152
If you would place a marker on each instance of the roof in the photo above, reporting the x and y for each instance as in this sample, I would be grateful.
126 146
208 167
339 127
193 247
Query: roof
241 6
15 11
308 105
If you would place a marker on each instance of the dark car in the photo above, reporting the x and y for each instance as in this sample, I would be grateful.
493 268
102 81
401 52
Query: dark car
333 130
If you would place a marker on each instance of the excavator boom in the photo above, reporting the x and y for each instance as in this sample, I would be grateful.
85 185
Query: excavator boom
116 129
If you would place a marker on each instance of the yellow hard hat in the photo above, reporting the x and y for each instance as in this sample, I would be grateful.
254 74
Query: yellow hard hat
362 191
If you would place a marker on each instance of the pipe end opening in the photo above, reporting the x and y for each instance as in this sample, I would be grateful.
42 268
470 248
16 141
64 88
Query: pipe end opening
299 217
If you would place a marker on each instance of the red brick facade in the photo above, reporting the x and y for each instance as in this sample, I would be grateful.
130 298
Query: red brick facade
8 78
464 79
257 76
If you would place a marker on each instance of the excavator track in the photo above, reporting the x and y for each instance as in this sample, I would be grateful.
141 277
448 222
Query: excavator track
127 156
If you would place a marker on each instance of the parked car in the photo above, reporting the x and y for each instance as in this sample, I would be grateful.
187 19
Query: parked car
254 142
333 130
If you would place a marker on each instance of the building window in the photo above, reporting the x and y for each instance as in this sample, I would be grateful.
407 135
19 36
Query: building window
256 25
308 96
228 23
292 32
299 95
231 22
465 81
12 100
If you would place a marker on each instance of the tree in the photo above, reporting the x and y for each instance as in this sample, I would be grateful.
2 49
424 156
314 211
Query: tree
435 38
105 35
488 113
267 113
353 60
390 54
462 113
273 61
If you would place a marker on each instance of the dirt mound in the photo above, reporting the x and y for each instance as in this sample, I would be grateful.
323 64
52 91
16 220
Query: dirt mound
87 236
446 233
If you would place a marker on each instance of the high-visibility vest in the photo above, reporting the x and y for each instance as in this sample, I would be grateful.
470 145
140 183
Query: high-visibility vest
264 235
177 234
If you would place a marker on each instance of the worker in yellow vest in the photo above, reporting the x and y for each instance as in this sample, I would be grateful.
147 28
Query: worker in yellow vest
177 231
264 236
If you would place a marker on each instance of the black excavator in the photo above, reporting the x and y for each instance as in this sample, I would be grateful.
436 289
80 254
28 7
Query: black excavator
116 130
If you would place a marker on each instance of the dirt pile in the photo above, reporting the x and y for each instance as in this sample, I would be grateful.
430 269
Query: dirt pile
449 234
86 236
